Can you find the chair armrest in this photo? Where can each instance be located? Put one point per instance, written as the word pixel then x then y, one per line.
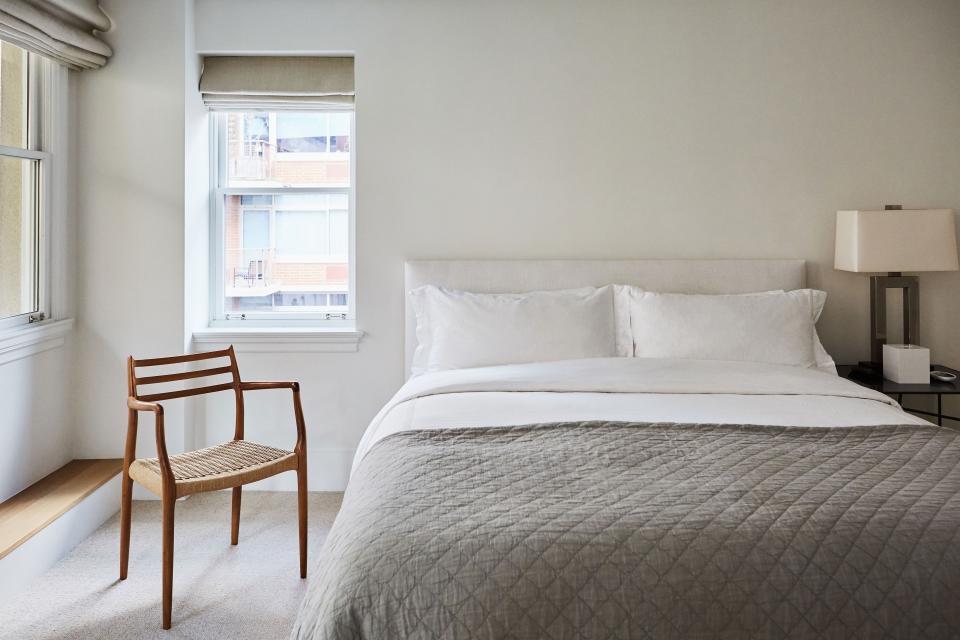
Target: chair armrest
pixel 136 406
pixel 140 405
pixel 301 445
pixel 255 386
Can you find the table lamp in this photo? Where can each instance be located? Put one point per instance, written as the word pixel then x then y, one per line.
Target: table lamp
pixel 895 240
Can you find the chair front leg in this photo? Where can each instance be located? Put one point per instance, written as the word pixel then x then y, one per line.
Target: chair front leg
pixel 169 503
pixel 302 510
pixel 169 496
pixel 301 450
pixel 126 505
pixel 126 493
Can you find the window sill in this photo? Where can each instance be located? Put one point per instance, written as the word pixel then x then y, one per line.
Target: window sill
pixel 31 339
pixel 279 340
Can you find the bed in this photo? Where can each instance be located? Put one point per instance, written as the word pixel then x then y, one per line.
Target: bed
pixel 621 497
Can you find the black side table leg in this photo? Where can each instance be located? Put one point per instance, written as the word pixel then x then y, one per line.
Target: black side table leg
pixel 940 409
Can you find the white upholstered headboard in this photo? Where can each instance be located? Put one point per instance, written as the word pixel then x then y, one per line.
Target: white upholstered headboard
pixel 516 276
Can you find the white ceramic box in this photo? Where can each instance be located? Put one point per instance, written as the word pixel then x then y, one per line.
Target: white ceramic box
pixel 906 363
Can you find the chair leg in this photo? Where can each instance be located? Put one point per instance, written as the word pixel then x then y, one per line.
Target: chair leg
pixel 169 502
pixel 126 497
pixel 302 513
pixel 235 517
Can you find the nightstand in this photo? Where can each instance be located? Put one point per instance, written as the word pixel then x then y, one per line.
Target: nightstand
pixel 933 387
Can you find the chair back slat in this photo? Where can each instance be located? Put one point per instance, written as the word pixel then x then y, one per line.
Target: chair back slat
pixel 213 370
pixel 186 393
pixel 190 357
pixel 185 375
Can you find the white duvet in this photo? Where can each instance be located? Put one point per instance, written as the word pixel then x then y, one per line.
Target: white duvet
pixel 633 390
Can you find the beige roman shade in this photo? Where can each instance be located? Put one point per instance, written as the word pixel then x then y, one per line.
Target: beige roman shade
pixel 63 30
pixel 271 83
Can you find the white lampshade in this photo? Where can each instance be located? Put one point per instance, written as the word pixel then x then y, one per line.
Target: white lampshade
pixel 899 240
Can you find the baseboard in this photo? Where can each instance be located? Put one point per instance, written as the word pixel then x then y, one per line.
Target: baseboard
pixel 46 547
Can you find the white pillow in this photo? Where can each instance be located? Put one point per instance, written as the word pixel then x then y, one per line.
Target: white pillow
pixel 621 304
pixel 775 327
pixel 622 295
pixel 458 329
pixel 824 362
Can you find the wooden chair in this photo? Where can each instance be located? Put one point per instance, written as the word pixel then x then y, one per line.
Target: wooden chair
pixel 223 466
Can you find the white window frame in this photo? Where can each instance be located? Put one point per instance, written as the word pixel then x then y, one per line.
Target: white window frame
pixel 39 113
pixel 219 318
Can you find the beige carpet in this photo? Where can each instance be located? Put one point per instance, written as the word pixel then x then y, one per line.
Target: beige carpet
pixel 249 591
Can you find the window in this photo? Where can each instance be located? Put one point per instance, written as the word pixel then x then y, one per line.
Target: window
pixel 313 133
pixel 284 193
pixel 22 164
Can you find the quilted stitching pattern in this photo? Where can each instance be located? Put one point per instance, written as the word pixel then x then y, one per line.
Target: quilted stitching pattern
pixel 612 530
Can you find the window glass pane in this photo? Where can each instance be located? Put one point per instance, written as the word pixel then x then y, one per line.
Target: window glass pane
pixel 256 133
pixel 339 232
pixel 18 236
pixel 256 229
pixel 302 233
pixel 256 236
pixel 262 201
pixel 13 96
pixel 311 201
pixel 302 132
pixel 287 149
pixel 339 132
pixel 339 201
pixel 286 253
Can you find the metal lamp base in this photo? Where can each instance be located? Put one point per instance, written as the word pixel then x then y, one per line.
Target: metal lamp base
pixel 878 312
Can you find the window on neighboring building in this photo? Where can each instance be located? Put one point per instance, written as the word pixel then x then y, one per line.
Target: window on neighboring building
pixel 313 133
pixel 22 163
pixel 284 198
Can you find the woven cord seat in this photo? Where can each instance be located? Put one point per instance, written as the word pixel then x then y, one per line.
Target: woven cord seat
pixel 229 456
pixel 218 467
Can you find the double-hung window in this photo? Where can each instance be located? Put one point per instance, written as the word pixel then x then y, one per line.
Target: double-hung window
pixel 23 167
pixel 283 203
pixel 284 216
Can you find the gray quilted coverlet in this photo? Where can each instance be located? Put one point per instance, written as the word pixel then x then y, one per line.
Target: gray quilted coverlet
pixel 615 530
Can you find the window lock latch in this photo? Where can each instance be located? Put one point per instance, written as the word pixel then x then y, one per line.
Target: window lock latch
pixel 36 317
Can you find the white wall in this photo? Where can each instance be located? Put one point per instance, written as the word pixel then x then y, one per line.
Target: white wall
pixel 130 198
pixel 196 186
pixel 196 211
pixel 536 129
